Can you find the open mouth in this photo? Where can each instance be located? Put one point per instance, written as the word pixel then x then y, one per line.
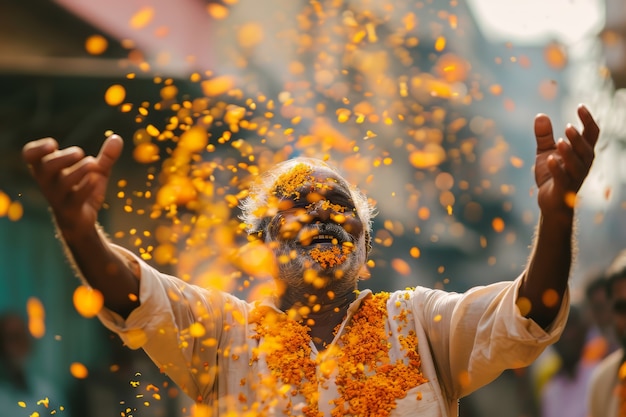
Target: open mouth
pixel 324 239
pixel 316 237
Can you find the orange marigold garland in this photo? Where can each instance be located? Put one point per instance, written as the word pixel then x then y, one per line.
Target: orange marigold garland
pixel 368 382
pixel 288 356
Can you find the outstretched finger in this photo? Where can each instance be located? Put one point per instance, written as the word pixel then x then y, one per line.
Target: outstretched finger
pixel 582 148
pixel 573 164
pixel 591 131
pixel 544 133
pixel 110 153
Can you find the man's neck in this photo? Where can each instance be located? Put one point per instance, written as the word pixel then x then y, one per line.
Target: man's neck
pixel 322 310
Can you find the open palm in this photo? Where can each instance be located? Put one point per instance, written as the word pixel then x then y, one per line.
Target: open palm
pixel 562 166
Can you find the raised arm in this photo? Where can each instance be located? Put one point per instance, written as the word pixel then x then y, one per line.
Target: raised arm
pixel 560 169
pixel 74 185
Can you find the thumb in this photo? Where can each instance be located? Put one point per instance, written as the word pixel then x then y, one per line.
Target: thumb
pixel 544 133
pixel 110 152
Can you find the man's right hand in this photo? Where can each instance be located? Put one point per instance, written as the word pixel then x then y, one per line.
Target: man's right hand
pixel 74 184
pixel 75 187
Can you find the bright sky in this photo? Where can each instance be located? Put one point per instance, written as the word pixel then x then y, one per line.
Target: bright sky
pixel 536 21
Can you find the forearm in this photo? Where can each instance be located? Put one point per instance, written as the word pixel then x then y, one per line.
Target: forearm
pixel 104 268
pixel 546 277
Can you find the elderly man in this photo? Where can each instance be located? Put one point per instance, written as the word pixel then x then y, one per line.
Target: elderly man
pixel 319 347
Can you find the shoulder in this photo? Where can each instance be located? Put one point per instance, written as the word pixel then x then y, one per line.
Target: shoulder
pixel 431 302
pixel 430 297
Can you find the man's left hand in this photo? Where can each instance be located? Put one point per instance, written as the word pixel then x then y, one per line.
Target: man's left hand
pixel 562 166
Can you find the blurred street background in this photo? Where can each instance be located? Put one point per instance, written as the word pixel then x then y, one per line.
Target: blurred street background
pixel 427 106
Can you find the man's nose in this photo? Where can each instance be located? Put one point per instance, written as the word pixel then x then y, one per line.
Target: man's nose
pixel 318 213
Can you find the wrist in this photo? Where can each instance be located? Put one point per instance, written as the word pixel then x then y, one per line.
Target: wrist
pixel 75 235
pixel 556 225
pixel 78 236
pixel 562 216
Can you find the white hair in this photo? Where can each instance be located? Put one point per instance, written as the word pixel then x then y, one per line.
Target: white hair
pixel 261 190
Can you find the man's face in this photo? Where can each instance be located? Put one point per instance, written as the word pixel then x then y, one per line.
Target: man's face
pixel 316 233
pixel 618 302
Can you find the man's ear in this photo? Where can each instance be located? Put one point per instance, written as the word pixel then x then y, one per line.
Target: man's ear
pixel 261 231
pixel 364 272
pixel 258 235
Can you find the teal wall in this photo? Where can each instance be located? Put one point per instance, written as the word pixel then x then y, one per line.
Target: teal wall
pixel 32 264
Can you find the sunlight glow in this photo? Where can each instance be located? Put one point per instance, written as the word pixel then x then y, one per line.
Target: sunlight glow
pixel 537 21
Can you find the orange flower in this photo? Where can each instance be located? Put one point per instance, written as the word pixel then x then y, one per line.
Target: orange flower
pixel 368 382
pixel 288 184
pixel 328 258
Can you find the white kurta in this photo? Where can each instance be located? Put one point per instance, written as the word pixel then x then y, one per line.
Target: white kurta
pixel 604 387
pixel 464 341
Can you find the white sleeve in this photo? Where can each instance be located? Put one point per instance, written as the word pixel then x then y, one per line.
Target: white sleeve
pixel 476 335
pixel 180 326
